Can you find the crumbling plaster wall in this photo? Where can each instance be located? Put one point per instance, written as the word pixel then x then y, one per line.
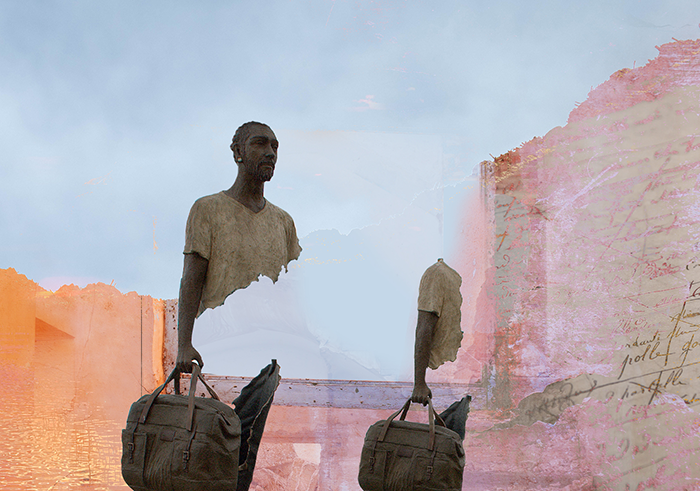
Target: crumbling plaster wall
pixel 73 361
pixel 601 308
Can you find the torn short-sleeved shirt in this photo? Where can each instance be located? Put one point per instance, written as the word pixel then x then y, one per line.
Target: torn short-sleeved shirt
pixel 239 244
pixel 439 293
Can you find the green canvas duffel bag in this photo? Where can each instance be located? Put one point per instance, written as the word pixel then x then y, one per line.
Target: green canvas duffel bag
pixel 403 455
pixel 183 443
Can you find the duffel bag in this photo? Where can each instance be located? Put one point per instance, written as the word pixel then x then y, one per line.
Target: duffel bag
pixel 403 455
pixel 183 443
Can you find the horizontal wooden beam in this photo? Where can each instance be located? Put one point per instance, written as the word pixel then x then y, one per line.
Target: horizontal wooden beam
pixel 360 394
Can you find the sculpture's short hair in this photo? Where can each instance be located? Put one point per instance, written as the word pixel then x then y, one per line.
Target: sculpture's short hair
pixel 242 133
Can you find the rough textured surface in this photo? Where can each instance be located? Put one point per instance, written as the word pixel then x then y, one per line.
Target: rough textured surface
pixel 595 284
pixel 239 244
pixel 84 355
pixel 677 65
pixel 439 294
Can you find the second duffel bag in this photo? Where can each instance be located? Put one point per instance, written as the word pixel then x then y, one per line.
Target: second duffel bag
pixel 402 455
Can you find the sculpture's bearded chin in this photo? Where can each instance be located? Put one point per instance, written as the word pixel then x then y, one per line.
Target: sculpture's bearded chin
pixel 262 170
pixel 265 171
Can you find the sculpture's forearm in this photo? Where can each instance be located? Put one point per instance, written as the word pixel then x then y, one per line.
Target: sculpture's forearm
pixel 193 276
pixel 424 341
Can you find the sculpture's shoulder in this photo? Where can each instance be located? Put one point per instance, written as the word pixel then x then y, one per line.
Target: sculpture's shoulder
pixel 285 219
pixel 218 207
pixel 280 213
pixel 210 200
pixel 440 271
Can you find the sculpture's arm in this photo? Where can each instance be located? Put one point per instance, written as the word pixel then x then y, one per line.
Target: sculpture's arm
pixel 193 275
pixel 424 341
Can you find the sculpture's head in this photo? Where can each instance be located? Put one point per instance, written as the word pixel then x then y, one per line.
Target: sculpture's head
pixel 254 149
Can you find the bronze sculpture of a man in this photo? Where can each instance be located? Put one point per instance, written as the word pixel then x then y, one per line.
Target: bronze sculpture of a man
pixel 438 332
pixel 233 236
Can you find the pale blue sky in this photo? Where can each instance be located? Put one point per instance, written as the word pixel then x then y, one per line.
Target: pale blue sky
pixel 117 115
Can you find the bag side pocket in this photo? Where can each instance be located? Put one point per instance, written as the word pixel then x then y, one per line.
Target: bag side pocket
pixel 134 459
pixel 372 469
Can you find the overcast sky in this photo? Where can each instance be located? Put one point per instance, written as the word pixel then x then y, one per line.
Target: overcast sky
pixel 116 116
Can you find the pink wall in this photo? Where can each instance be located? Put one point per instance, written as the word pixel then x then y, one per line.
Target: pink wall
pixel 595 303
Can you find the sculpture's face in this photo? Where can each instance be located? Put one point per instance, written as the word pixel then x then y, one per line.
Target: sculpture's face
pixel 260 153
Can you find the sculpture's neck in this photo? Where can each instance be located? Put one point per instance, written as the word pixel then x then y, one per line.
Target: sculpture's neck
pixel 248 192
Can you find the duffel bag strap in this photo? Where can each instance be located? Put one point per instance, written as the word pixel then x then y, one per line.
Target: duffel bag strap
pixel 209 389
pixel 438 419
pixel 175 375
pixel 391 418
pixel 431 425
pixel 385 428
pixel 156 393
pixel 433 416
pixel 196 375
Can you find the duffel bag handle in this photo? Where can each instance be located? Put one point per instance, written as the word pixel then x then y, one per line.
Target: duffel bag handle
pixel 432 417
pixel 175 375
pixel 196 375
pixel 438 419
pixel 193 381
